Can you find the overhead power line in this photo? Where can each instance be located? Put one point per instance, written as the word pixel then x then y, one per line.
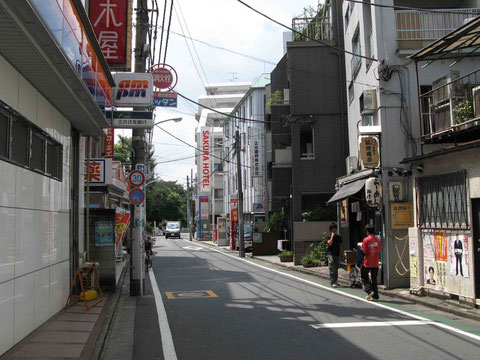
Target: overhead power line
pixel 305 36
pixel 168 33
pixel 411 8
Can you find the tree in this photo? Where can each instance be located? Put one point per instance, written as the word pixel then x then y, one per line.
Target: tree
pixel 123 150
pixel 166 200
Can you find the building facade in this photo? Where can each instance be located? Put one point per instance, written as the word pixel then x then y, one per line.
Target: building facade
pixel 55 87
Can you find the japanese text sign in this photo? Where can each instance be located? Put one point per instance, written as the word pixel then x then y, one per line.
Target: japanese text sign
pixel 97 171
pixel 369 151
pixel 109 21
pixel 109 140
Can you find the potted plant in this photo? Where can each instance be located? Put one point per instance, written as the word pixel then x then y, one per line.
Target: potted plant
pixel 307 260
pixel 286 256
pixel 463 111
pixel 319 251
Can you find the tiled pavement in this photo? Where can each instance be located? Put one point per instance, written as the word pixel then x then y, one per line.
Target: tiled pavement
pixel 71 334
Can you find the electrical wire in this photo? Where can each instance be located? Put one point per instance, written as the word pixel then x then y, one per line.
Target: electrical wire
pixel 178 159
pixel 306 36
pixel 155 30
pixel 410 8
pixel 168 33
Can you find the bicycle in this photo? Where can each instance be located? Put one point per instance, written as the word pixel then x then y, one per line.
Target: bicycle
pixel 355 277
pixel 148 259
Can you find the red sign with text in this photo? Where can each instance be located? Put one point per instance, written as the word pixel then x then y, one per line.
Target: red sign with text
pixel 109 21
pixel 109 140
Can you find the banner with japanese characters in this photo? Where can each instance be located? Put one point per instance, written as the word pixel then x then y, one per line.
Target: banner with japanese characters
pixel 122 221
pixel 109 19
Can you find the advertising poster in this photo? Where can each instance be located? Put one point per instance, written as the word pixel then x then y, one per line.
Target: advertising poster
pixel 441 242
pixel 103 233
pixel 430 273
pixel 441 276
pixel 458 254
pixel 428 245
pixel 122 221
pixel 413 267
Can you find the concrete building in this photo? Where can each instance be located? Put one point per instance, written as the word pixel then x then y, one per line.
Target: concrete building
pixel 382 117
pixel 444 246
pixel 221 97
pixel 55 86
pixel 252 137
pixel 307 130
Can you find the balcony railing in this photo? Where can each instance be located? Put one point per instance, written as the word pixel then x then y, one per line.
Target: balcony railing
pixel 318 28
pixel 428 26
pixel 451 107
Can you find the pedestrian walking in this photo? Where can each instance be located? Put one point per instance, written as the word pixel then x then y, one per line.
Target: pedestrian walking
pixel 335 248
pixel 371 247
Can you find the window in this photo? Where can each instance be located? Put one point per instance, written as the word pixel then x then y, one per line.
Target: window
pixel 20 140
pixel 218 167
pixel 217 143
pixel 37 153
pixel 306 141
pixel 23 143
pixel 218 193
pixel 347 17
pixel 442 201
pixel 4 134
pixel 368 120
pixel 351 93
pixel 355 62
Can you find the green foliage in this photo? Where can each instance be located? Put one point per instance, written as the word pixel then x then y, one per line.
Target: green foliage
pixel 318 252
pixel 463 111
pixel 166 200
pixel 320 213
pixel 277 221
pixel 149 227
pixel 275 98
pixel 285 254
pixel 307 259
pixel 123 150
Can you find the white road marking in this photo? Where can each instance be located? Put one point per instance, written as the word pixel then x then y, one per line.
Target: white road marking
pixel 370 324
pixel 417 317
pixel 194 248
pixel 167 340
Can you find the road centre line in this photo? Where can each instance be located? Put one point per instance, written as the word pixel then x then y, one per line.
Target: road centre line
pixel 370 324
pixel 417 317
pixel 165 333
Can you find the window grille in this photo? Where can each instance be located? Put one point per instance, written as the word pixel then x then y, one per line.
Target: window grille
pixel 442 201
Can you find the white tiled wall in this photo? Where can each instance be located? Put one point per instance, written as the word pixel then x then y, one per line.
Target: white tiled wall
pixel 34 222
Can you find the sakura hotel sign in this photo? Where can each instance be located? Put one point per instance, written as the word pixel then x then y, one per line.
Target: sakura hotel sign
pixel 205 162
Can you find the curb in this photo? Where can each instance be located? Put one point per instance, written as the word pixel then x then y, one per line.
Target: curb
pixel 461 312
pixel 99 347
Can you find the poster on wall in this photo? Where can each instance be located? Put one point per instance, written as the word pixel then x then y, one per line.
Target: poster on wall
pixel 122 221
pixel 413 267
pixel 430 272
pixel 428 245
pixel 441 276
pixel 103 233
pixel 458 254
pixel 441 242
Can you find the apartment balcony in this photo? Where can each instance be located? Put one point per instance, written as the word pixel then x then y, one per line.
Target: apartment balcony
pixel 417 29
pixel 318 28
pixel 451 109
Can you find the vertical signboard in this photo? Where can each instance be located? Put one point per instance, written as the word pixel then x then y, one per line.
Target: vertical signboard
pixel 256 153
pixel 369 151
pixel 109 140
pixel 109 19
pixel 205 159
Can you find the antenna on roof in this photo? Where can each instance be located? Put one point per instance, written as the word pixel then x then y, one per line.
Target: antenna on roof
pixel 233 76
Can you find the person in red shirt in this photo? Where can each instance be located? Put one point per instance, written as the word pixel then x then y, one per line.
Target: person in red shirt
pixel 371 247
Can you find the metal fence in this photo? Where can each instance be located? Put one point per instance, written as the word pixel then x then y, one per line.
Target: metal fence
pixel 318 28
pixel 418 25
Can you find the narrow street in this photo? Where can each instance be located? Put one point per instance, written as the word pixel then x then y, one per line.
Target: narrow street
pixel 222 307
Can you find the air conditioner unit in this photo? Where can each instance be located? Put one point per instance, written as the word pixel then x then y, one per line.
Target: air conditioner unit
pixel 368 102
pixel 351 162
pixel 444 93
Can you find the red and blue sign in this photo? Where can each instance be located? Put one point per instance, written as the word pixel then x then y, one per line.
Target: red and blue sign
pixel 136 196
pixel 164 99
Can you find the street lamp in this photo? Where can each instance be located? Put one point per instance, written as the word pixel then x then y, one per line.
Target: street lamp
pixel 173 119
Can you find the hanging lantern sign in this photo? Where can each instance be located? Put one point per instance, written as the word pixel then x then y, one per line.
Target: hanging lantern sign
pixel 373 192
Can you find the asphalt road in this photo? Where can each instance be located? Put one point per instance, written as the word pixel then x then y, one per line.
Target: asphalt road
pixel 212 305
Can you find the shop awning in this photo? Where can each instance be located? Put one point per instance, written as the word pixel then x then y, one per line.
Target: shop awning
pixel 348 190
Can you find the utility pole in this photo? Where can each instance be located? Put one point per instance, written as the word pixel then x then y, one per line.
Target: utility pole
pixel 188 208
pixel 241 243
pixel 137 273
pixel 192 206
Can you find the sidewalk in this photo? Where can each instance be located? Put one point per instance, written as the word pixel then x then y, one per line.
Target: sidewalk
pixel 72 333
pixel 449 306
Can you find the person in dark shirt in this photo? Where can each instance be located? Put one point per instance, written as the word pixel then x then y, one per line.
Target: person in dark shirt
pixel 335 248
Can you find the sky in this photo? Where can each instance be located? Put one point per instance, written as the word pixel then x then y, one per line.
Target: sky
pixel 222 23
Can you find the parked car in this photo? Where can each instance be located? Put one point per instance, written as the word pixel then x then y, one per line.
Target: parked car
pixel 172 229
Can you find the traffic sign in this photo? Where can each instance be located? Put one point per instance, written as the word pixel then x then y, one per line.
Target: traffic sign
pixel 136 196
pixel 136 178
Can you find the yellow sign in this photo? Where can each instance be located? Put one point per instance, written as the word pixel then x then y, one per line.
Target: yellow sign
pixel 344 212
pixel 401 215
pixel 413 267
pixel 369 151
